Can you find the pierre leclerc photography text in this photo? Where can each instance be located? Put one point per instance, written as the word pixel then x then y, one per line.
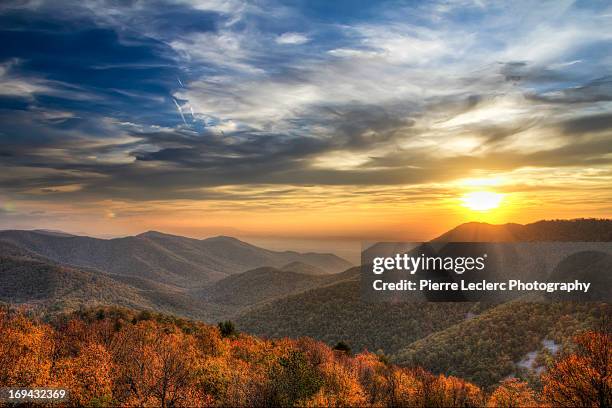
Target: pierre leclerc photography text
pixel 309 203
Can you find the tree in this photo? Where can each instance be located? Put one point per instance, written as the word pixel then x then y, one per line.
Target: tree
pixel 343 347
pixel 227 328
pixel 294 379
pixel 25 351
pixel 158 365
pixel 512 393
pixel 442 391
pixel 88 376
pixel 582 378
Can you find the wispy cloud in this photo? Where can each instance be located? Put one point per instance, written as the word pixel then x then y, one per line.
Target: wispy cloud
pixel 283 97
pixel 292 38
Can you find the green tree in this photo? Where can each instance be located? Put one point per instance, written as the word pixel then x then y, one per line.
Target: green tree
pixel 294 379
pixel 227 328
pixel 344 347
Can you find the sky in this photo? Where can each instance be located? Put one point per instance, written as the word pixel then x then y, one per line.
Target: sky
pixel 302 120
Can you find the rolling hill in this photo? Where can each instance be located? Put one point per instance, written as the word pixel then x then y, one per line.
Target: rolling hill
pixel 336 312
pixel 163 258
pixel 278 294
pixel 431 334
pixel 489 347
pixel 260 285
pixel 29 279
pixel 301 267
pixel 240 292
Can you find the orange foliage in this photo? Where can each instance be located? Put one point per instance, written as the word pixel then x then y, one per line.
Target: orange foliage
pixel 88 376
pixel 583 378
pixel 25 352
pixel 120 359
pixel 512 393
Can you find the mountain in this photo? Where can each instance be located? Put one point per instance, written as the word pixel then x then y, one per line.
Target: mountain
pixel 554 230
pixel 56 233
pixel 163 258
pixel 336 312
pixel 432 333
pixel 301 267
pixel 286 294
pixel 262 285
pixel 29 279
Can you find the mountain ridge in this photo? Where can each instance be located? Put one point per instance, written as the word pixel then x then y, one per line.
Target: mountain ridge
pixel 170 259
pixel 578 229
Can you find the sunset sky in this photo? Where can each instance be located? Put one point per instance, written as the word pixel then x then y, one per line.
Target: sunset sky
pixel 340 120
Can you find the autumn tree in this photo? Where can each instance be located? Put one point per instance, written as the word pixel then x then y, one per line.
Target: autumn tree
pixel 343 347
pixel 373 375
pixel 443 391
pixel 294 379
pixel 25 351
pixel 584 377
pixel 157 367
pixel 512 393
pixel 404 389
pixel 341 384
pixel 88 376
pixel 227 328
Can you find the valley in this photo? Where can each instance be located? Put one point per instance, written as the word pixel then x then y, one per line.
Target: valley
pixel 278 294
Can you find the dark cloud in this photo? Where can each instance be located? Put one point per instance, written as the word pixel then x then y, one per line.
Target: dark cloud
pixel 185 163
pixel 538 75
pixel 364 126
pixel 588 124
pixel 599 90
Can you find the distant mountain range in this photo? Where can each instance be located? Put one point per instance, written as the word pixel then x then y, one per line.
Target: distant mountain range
pixel 277 294
pixel 588 229
pixel 29 279
pixel 168 273
pixel 163 258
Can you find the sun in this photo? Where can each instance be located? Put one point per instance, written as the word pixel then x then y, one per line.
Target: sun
pixel 482 200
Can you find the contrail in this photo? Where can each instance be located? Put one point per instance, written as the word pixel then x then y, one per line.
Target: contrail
pixel 180 110
pixel 192 114
pixel 179 81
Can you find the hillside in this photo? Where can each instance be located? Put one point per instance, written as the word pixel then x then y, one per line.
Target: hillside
pixel 276 301
pixel 301 267
pixel 29 279
pixel 336 313
pixel 118 357
pixel 169 259
pixel 261 285
pixel 468 340
pixel 553 230
pixel 489 347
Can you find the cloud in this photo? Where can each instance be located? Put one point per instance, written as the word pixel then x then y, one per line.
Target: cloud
pixel 292 38
pixel 408 99
pixel 14 84
pixel 588 124
pixel 598 90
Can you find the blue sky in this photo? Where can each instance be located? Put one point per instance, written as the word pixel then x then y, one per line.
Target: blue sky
pixel 115 111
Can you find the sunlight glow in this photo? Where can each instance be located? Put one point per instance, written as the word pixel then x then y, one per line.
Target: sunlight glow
pixel 482 200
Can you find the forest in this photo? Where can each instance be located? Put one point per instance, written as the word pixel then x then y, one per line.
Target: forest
pixel 114 356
